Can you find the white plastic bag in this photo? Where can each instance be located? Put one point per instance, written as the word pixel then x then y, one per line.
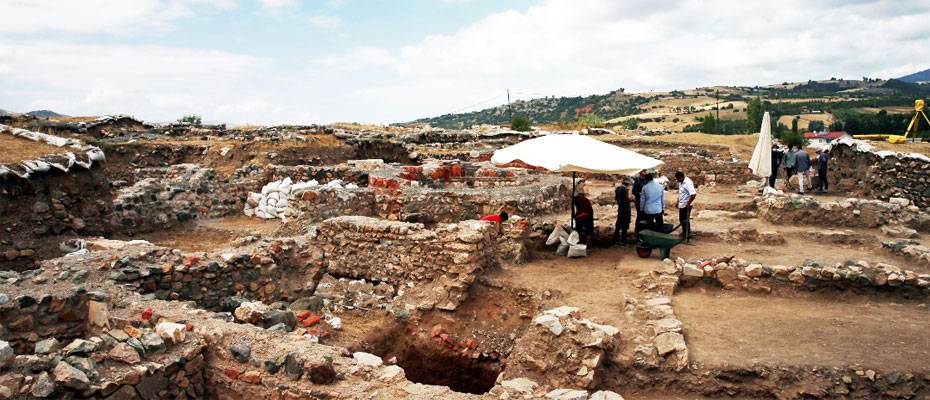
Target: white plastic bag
pixel 574 238
pixel 563 248
pixel 557 233
pixel 577 251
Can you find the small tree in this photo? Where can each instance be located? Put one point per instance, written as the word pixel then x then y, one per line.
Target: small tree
pixel 793 139
pixel 520 123
pixel 815 126
pixel 708 123
pixel 631 123
pixel 794 125
pixel 754 114
pixel 192 119
pixel 836 126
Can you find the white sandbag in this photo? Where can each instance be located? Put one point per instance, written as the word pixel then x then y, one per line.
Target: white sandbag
pixel 285 185
pixel 304 185
pixel 557 233
pixel 577 251
pixel 574 238
pixel 351 186
pixel 562 250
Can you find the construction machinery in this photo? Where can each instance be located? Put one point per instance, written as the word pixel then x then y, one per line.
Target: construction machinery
pixel 911 128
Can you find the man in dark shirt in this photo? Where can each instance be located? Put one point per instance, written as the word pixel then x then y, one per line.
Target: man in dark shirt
pixel 822 160
pixel 638 184
pixel 776 162
pixel 623 197
pixel 584 218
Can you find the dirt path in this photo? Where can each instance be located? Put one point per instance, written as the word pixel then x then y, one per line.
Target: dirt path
pixel 736 328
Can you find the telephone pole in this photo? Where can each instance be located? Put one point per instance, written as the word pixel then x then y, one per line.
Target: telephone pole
pixel 717 121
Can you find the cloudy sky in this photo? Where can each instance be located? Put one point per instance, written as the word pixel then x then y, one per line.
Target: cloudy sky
pixel 304 61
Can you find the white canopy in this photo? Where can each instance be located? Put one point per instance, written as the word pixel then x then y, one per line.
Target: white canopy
pixel 575 153
pixel 761 161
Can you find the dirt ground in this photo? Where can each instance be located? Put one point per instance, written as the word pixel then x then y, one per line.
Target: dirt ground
pixel 835 330
pixel 210 235
pixel 19 149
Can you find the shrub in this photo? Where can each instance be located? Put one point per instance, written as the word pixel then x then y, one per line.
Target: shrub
pixel 192 119
pixel 520 123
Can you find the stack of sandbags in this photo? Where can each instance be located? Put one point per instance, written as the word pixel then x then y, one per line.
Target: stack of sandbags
pixel 275 196
pixel 271 202
pixel 568 243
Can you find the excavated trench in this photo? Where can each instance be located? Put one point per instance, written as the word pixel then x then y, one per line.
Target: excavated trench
pixel 465 349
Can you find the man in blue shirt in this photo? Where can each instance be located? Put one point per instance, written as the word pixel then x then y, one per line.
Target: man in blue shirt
pixel 653 203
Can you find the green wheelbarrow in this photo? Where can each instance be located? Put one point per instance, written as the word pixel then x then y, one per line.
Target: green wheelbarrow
pixel 664 241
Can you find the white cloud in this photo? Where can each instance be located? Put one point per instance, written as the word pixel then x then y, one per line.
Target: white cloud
pixel 324 21
pixel 592 46
pixel 154 82
pixel 96 16
pixel 279 4
pixel 560 47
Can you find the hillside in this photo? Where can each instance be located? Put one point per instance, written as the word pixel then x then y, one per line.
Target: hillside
pixel 546 110
pixel 683 110
pixel 45 113
pixel 922 76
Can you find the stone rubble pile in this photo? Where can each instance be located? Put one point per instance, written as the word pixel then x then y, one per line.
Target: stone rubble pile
pixel 733 273
pixel 908 249
pixel 561 349
pixel 145 357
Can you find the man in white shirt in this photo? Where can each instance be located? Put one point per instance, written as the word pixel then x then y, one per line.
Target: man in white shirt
pixel 686 195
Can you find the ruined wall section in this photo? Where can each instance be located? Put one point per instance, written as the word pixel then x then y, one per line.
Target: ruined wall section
pixel 437 266
pixel 858 169
pixel 268 272
pixel 848 213
pixel 177 194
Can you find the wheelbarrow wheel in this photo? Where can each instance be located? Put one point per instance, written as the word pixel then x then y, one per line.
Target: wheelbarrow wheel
pixel 643 252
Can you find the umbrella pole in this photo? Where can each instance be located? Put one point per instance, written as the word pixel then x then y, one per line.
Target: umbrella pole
pixel 573 201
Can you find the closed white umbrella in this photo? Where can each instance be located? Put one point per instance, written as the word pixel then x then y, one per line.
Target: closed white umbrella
pixel 575 153
pixel 761 161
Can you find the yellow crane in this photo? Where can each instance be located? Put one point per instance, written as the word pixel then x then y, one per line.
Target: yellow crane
pixel 911 128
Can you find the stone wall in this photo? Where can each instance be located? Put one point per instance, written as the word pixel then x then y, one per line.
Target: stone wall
pixel 438 265
pixel 538 195
pixel 172 195
pixel 849 213
pixel 268 271
pixel 28 318
pixel 858 169
pixel 40 212
pixel 733 273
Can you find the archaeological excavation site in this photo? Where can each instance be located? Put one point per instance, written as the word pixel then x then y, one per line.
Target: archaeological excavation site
pixel 179 261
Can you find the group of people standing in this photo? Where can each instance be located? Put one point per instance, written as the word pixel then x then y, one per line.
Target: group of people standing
pixel 648 196
pixel 798 163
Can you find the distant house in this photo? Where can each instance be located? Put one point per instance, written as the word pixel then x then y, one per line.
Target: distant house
pixel 824 137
